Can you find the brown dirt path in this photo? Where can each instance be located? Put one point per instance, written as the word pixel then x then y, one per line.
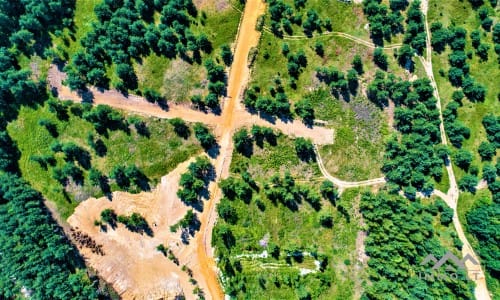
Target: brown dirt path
pixel 248 37
pixel 131 103
pixel 241 117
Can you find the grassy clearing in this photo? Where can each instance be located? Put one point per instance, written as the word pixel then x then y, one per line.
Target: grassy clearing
pixel 178 80
pixel 360 134
pixel 345 17
pixel 444 184
pixel 266 278
pixel 471 114
pixel 155 156
pixel 360 127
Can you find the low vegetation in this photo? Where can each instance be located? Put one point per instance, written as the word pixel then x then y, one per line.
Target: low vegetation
pixel 274 204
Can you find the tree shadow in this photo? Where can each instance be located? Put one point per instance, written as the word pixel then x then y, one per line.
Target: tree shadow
pixel 214 151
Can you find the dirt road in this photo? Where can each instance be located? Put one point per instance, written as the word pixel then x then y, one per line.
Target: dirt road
pixel 139 105
pixel 475 273
pixel 248 37
pixel 338 34
pixel 344 184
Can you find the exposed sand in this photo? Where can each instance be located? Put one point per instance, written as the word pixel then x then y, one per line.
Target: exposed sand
pixel 131 263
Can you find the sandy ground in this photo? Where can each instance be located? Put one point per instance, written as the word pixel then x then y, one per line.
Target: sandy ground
pixel 131 262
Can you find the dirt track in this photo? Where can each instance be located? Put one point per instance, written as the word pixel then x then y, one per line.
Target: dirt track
pixel 248 37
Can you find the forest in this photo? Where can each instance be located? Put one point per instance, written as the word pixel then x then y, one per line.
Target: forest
pixel 51 267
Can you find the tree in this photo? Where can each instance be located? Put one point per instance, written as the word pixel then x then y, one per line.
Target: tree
pixel 304 149
pixel 405 55
pixel 380 58
pixel 457 96
pixel 446 216
pixel 496 33
pixel 203 135
pixel 482 51
pixel 319 48
pixel 489 173
pixel 180 127
pixel 474 91
pixel 243 142
pixel 357 64
pixel 109 216
pixel 463 158
pixel 328 191
pixel 326 219
pixel 455 75
pixel 475 37
pixel 305 110
pixel 352 80
pixel 486 151
pixel 227 212
pixel 468 183
pixel 203 43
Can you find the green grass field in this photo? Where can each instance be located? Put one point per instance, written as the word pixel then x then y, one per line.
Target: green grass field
pixel 265 278
pixel 360 134
pixel 69 43
pixel 155 156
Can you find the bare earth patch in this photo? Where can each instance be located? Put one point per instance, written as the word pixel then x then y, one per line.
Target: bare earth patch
pixel 131 263
pixel 217 5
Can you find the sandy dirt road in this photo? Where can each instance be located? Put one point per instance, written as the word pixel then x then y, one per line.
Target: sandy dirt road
pixel 248 37
pixel 241 117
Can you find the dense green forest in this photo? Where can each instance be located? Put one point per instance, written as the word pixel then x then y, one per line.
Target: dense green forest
pixel 49 268
pixel 400 236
